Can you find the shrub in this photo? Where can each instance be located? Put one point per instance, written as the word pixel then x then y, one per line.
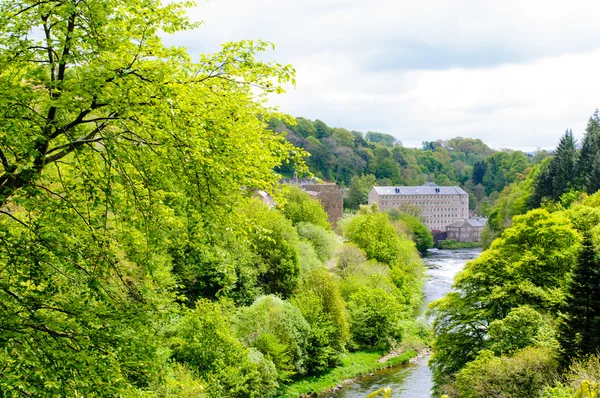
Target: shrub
pixel 374 234
pixel 307 257
pixel 324 241
pixel 300 207
pixel 203 340
pixel 273 240
pixel 319 299
pixel 525 374
pixel 349 258
pixel 278 330
pixel 375 317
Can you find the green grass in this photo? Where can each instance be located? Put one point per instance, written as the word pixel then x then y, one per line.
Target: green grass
pixel 452 244
pixel 353 364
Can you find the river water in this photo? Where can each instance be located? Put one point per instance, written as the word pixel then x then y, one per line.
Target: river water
pixel 414 381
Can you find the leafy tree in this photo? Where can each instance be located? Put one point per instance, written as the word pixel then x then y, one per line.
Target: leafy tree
pixel 323 240
pixel 204 341
pixel 414 228
pixel 278 330
pixel 117 144
pixel 274 241
pixel 374 234
pixel 380 138
pixel 358 192
pixel 526 374
pixel 318 298
pixel 517 330
pixel 375 317
pixel 300 207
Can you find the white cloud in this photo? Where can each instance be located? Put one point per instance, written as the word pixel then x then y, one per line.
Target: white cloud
pixel 513 73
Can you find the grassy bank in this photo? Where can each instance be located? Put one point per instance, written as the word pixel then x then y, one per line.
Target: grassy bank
pixel 353 364
pixel 452 244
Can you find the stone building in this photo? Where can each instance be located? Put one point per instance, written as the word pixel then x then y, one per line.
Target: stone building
pixel 439 206
pixel 466 230
pixel 329 194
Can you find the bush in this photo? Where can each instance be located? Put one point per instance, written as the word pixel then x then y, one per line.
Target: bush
pixel 319 299
pixel 375 317
pixel 413 227
pixel 324 241
pixel 374 234
pixel 300 207
pixel 525 374
pixel 203 340
pixel 278 330
pixel 307 257
pixel 349 258
pixel 274 241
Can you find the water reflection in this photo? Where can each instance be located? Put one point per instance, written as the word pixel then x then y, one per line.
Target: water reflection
pixel 415 381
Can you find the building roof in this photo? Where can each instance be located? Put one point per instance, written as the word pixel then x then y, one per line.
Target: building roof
pixel 472 222
pixel 478 222
pixel 420 190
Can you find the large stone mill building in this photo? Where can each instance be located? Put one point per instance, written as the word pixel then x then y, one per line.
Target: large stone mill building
pixel 440 206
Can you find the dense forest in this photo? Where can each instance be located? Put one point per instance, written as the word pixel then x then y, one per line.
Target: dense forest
pixel 135 259
pixel 525 315
pixel 360 160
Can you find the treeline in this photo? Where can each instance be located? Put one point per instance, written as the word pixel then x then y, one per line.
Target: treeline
pixel 355 160
pixel 525 315
pixel 561 179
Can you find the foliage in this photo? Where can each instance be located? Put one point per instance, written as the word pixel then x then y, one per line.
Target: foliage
pixel 116 152
pixel 517 330
pixel 375 317
pixel 324 241
pixel 318 298
pixel 414 228
pixel 358 192
pixel 525 266
pixel 349 257
pixel 203 340
pixel 274 241
pixel 525 374
pixel 278 330
pixel 300 207
pixel 374 234
pixel 581 310
pixel 450 244
pixel 307 257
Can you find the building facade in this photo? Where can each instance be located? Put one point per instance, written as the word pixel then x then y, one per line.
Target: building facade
pixel 466 230
pixel 439 206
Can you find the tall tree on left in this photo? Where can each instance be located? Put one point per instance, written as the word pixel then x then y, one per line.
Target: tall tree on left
pixel 112 148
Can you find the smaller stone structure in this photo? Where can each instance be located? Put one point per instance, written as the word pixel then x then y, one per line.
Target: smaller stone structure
pixel 466 230
pixel 330 196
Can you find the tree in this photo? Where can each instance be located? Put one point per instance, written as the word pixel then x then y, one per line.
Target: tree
pixel 318 298
pixel 581 322
pixel 590 150
pixel 562 168
pixel 374 234
pixel 300 207
pixel 118 147
pixel 358 192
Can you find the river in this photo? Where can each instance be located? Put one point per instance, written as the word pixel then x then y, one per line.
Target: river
pixel 414 380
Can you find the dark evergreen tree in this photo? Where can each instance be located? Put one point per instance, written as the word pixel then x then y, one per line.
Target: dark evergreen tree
pixel 578 333
pixel 479 170
pixel 590 151
pixel 562 168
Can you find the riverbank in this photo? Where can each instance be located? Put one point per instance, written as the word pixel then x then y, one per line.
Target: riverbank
pixel 354 365
pixel 450 244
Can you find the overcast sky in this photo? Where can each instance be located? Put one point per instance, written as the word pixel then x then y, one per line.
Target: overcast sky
pixel 515 73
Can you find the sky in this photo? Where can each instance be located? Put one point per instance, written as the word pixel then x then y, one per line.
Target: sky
pixel 515 74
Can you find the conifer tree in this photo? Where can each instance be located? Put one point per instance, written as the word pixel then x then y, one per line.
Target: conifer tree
pixel 587 166
pixel 578 332
pixel 562 168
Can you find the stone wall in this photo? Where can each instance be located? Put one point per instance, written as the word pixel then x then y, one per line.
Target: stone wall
pixel 330 196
